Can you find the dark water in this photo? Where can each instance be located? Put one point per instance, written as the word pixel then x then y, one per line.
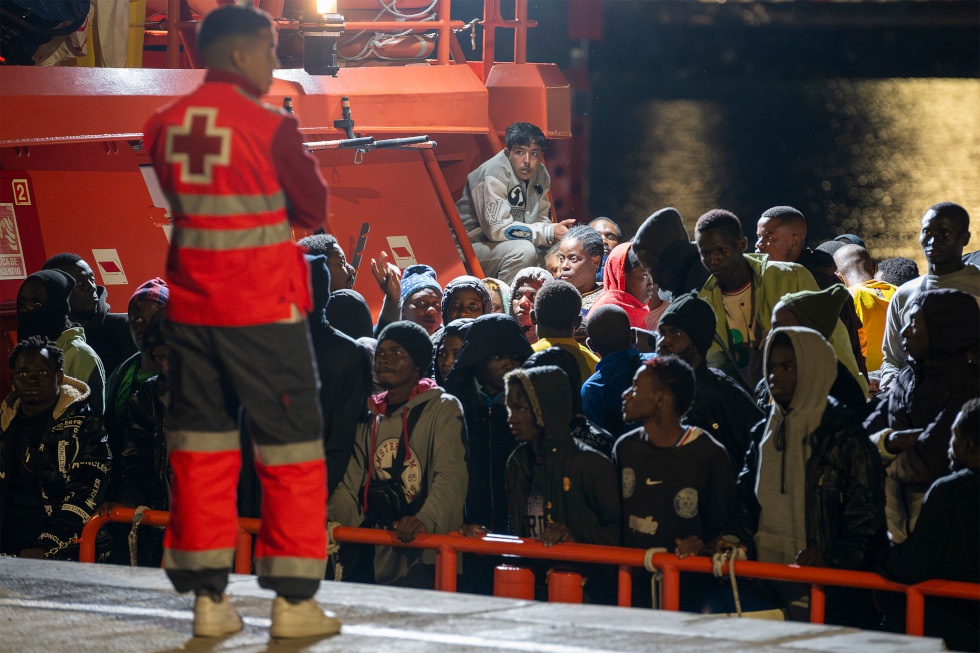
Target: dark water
pixel 861 128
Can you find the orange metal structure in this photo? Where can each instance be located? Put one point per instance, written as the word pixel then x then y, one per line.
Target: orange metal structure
pixel 448 548
pixel 73 176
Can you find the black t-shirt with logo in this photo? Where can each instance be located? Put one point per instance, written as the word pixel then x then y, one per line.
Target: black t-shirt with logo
pixel 673 492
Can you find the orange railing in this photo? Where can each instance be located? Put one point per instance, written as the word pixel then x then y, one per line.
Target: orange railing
pixel 180 30
pixel 448 548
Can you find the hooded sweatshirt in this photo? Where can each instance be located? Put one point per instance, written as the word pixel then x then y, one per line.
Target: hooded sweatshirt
pixel 71 465
pixel 785 448
pixel 435 468
pixel 614 287
pixel 576 483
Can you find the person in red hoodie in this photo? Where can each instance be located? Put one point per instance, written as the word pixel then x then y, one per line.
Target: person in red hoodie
pixel 626 284
pixel 238 178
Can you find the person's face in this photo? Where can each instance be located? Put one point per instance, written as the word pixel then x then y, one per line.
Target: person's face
pixel 961 451
pixel 464 303
pixel 159 357
pixel 523 301
pixel 31 295
pixel 639 400
pixel 552 265
pixel 525 160
pixel 915 336
pixel 447 355
pixel 610 236
pixel 576 266
pixel 84 298
pixel 782 374
pixel 520 415
pixel 425 309
pixel 491 375
pixel 677 342
pixel 783 317
pixel 775 239
pixel 639 284
pixel 394 367
pixel 942 239
pixel 721 254
pixel 140 315
pixel 37 381
pixel 341 272
pixel 496 302
pixel 256 58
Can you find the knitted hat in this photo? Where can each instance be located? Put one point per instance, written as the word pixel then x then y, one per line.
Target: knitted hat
pixel 413 339
pixel 47 320
pixel 154 290
pixel 817 310
pixel 419 277
pixel 465 282
pixel 693 316
pixel 952 321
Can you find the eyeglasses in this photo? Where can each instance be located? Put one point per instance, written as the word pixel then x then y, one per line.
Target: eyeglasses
pixel 472 307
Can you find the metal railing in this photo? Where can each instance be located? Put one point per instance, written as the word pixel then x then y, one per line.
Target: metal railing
pixel 448 548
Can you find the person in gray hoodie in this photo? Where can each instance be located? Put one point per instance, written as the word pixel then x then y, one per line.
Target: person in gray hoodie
pixel 407 472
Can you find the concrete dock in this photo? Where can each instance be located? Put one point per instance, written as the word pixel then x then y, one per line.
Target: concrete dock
pixel 54 607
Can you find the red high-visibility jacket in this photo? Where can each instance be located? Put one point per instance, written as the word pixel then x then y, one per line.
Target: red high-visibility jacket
pixel 236 175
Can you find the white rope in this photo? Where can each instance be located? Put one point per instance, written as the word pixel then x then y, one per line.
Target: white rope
pixel 655 575
pixel 137 518
pixel 718 562
pixel 333 551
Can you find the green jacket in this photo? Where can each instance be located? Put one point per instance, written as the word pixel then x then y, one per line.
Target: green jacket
pixel 772 280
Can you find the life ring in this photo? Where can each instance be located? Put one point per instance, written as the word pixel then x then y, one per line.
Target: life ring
pixel 387 47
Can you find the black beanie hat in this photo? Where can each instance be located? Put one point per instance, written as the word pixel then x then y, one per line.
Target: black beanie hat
pixel 49 319
pixel 413 339
pixel 693 316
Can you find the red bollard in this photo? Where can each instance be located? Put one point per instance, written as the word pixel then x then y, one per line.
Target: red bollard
pixel 513 582
pixel 564 586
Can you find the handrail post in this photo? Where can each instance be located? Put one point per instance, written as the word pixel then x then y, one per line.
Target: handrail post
pixel 445 33
pixel 818 604
pixel 671 587
pixel 915 612
pixel 446 568
pixel 520 31
pixel 90 533
pixel 625 587
pixel 243 552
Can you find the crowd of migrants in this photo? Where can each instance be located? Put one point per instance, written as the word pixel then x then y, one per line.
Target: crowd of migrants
pixel 796 405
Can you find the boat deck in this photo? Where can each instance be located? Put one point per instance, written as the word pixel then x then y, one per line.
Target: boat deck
pixel 52 607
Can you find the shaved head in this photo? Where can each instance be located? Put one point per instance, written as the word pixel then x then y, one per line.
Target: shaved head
pixel 854 264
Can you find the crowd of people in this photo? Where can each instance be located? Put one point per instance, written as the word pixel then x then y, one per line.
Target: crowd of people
pixel 794 404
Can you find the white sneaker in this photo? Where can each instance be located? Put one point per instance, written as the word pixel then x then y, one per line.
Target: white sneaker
pixel 215 618
pixel 303 619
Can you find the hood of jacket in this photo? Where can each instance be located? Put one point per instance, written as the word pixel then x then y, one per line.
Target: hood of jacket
pixel 379 403
pixel 320 278
pixel 489 335
pixel 816 369
pixel 550 395
pixel 73 391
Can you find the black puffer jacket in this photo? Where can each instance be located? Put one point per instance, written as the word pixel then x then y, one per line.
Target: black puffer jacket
pixel 142 460
pixel 71 463
pixel 580 485
pixel 845 493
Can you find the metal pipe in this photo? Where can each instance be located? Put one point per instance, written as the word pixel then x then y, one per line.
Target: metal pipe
pixel 818 604
pixel 449 207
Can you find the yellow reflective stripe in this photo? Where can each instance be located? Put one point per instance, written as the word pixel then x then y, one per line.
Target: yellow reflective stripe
pixel 225 205
pixel 287 567
pixel 289 454
pixel 195 560
pixel 227 239
pixel 202 441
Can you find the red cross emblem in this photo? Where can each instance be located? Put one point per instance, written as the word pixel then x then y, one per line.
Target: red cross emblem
pixel 198 145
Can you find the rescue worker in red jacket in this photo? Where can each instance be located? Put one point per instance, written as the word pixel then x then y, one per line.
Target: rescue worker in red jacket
pixel 237 176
